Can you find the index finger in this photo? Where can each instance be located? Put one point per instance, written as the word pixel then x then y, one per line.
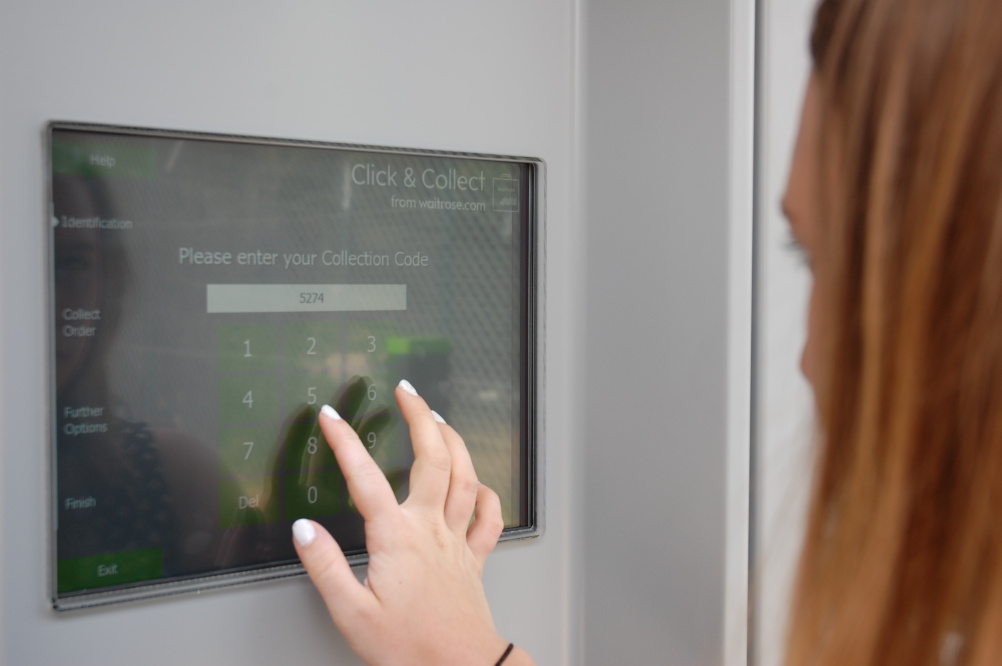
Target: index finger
pixel 367 484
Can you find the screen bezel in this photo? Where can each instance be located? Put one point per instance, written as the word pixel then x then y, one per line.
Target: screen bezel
pixel 531 387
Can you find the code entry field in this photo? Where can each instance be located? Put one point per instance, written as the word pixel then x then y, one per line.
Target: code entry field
pixel 260 298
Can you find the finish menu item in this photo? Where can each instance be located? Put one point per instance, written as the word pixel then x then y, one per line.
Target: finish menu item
pixel 211 293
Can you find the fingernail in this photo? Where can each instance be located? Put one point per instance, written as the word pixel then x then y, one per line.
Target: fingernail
pixel 437 416
pixel 406 385
pixel 303 532
pixel 330 413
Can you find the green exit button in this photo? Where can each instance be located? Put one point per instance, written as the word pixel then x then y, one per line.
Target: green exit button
pixel 106 570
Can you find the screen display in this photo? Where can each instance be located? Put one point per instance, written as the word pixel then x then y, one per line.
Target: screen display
pixel 210 294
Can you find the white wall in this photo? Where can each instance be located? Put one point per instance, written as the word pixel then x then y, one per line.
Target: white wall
pixel 490 77
pixel 667 195
pixel 783 404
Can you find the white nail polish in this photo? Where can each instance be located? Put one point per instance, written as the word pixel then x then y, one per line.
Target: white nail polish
pixel 330 413
pixel 437 416
pixel 303 532
pixel 406 385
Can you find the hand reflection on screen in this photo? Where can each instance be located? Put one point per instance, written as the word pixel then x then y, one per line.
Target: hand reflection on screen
pixel 305 478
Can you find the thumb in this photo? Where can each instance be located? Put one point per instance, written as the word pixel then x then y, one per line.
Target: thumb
pixel 330 572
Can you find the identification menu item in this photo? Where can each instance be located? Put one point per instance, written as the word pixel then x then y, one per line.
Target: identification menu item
pixel 211 293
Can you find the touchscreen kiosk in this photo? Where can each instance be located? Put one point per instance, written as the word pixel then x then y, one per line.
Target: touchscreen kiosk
pixel 211 293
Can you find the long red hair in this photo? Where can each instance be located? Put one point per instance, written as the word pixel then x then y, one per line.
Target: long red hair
pixel 902 560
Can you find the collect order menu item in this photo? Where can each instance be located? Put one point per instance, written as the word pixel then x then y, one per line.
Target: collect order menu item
pixel 211 293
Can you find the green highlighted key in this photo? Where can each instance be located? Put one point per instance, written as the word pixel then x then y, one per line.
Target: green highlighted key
pixel 106 570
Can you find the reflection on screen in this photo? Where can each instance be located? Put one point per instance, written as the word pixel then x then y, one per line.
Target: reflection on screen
pixel 211 295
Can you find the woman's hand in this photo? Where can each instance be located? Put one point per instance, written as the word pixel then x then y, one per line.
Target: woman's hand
pixel 423 602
